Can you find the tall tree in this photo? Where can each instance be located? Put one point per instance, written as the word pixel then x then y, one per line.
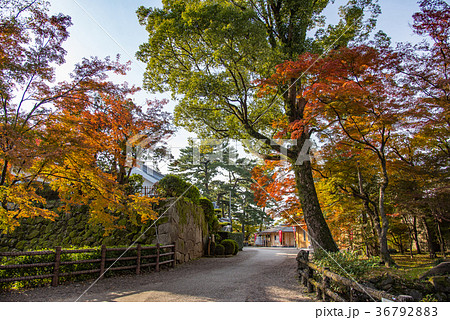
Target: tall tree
pixel 211 52
pixel 426 150
pixel 199 163
pixel 56 133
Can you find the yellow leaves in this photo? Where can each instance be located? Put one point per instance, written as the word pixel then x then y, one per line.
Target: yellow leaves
pixel 21 201
pixel 143 206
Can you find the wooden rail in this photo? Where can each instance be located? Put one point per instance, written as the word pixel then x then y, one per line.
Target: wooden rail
pixel 307 270
pixel 100 269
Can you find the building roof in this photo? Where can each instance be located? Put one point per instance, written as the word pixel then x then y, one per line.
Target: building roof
pixel 278 228
pixel 147 173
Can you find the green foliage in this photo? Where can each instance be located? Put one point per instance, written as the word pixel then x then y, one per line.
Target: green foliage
pixel 135 183
pixel 95 254
pixel 198 49
pixel 220 250
pixel 345 263
pixel 229 245
pixel 236 236
pixel 173 186
pixel 45 191
pixel 198 164
pixel 429 298
pixel 236 248
pixel 210 216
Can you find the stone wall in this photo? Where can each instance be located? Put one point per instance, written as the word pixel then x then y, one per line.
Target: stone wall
pixel 72 229
pixel 186 227
pixel 183 224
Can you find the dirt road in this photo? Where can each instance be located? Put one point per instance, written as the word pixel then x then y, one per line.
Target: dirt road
pixel 255 274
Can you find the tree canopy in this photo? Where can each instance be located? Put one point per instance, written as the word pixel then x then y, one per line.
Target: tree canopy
pixel 210 55
pixel 70 135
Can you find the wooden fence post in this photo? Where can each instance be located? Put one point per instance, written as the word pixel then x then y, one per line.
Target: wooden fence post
pixel 174 255
pixel 304 280
pixel 56 268
pixel 326 285
pixel 208 251
pixel 138 258
pixel 103 261
pixel 309 275
pixel 319 291
pixel 157 257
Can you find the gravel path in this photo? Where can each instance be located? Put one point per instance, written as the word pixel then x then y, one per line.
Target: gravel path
pixel 255 274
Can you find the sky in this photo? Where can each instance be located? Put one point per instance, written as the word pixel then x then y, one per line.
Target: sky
pixel 109 27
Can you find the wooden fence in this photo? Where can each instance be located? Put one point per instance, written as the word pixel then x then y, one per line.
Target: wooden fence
pixel 161 255
pixel 316 278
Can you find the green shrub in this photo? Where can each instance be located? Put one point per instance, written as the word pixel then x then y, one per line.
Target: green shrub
pixel 210 216
pixel 220 250
pixel 173 186
pixel 345 263
pixel 212 248
pixel 229 245
pixel 429 298
pixel 236 236
pixel 236 247
pixel 134 185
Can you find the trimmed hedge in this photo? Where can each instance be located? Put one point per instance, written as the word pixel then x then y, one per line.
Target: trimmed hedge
pixel 220 250
pixel 229 246
pixel 236 247
pixel 173 186
pixel 236 236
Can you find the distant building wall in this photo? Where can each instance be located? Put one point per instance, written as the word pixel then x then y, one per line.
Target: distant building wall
pixel 301 237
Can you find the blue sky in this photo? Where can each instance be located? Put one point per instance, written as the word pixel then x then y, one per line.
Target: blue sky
pixel 110 27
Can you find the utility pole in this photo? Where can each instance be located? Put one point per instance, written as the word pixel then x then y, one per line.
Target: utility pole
pixel 229 215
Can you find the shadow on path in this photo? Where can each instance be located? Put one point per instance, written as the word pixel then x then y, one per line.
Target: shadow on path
pixel 255 274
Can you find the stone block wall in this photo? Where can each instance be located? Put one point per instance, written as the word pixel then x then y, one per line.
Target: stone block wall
pixel 183 224
pixel 186 227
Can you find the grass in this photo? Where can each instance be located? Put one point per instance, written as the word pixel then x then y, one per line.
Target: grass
pixel 409 268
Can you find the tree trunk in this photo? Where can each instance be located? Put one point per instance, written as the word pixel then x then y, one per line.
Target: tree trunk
pixel 229 214
pixel 384 249
pixel 410 234
pixel 416 235
pixel 364 222
pixel 206 178
pixel 318 230
pixel 372 213
pixel 441 238
pixel 411 249
pixel 433 246
pixel 4 173
pixel 400 242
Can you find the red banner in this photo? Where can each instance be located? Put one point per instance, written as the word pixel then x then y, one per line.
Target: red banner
pixel 280 233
